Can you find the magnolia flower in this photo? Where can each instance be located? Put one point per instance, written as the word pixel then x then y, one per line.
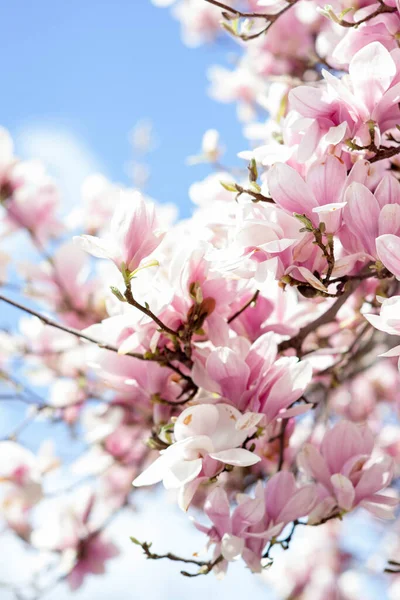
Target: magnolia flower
pixel 72 531
pixel 204 432
pixel 252 379
pixel 320 193
pixel 255 521
pixel 132 237
pixel 346 474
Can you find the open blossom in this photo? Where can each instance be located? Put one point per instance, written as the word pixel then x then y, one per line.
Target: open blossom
pixel 372 221
pixel 249 343
pixel 206 435
pixel 252 379
pixel 320 196
pixel 346 473
pixel 349 107
pixel 255 521
pixel 73 532
pixel 228 532
pixel 132 237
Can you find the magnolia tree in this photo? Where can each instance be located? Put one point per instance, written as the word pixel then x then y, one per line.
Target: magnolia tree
pixel 232 356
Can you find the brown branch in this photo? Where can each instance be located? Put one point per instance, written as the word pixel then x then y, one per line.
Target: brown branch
pixel 384 153
pixel 270 18
pixel 282 444
pixel 328 316
pixel 205 566
pixel 258 197
pixel 252 300
pixel 163 360
pixel 144 309
pixel 238 13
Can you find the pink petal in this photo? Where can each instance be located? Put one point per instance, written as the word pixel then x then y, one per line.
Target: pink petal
pixel 388 249
pixel 279 490
pixel 372 70
pixel 389 220
pixel 326 179
pixel 312 462
pixel 388 191
pixel 300 505
pixel 228 369
pixel 361 215
pixel 344 491
pixel 308 101
pixel 289 189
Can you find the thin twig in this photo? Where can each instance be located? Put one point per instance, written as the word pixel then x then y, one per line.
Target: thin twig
pixel 162 360
pixel 252 300
pixel 205 566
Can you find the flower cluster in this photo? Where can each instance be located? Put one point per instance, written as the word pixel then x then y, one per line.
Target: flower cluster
pixel 230 356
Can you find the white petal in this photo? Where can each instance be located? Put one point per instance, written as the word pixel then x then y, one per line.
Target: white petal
pixel 231 546
pixel 238 457
pixel 153 474
pixel 182 472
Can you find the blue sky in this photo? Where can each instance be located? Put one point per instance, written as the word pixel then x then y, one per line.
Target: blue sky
pixel 94 68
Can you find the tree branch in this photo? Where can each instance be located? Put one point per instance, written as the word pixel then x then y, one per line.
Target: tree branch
pixel 162 360
pixel 296 341
pixel 205 566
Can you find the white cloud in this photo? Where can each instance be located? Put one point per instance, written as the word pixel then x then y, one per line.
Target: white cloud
pixel 66 156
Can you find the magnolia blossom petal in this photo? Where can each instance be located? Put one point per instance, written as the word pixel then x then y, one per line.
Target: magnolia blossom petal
pixel 312 462
pixel 392 352
pixel 344 490
pixel 231 546
pixel 371 70
pixel 196 420
pixel 96 246
pixel 388 249
pixel 153 474
pixel 238 457
pixel 289 189
pixel 187 492
pixel 181 472
pixel 248 421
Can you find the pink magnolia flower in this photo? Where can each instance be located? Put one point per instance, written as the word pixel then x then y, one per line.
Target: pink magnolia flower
pixel 31 200
pixel 205 436
pixel 349 107
pixel 72 531
pixel 319 196
pixel 284 501
pixel 228 530
pixel 346 474
pixel 382 28
pixel 255 521
pixel 372 221
pixel 251 378
pixel 92 554
pixel 133 234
